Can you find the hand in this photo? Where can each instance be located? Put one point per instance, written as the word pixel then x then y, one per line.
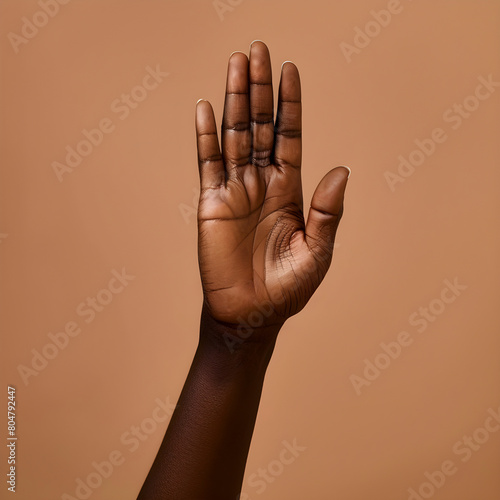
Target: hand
pixel 255 250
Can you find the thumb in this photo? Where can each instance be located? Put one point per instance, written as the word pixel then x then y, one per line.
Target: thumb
pixel 327 206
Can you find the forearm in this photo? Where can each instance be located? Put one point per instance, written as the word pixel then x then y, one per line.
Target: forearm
pixel 204 452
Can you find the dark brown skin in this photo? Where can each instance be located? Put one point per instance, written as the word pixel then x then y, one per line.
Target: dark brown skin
pixel 260 263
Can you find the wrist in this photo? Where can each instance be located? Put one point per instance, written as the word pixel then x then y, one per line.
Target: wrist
pixel 237 342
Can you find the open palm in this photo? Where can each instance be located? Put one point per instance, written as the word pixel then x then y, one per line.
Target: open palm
pixel 255 250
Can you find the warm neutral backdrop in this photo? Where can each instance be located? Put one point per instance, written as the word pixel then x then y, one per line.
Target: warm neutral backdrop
pixel 366 425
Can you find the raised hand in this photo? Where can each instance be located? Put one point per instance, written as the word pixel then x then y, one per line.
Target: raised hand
pixel 255 250
pixel 256 254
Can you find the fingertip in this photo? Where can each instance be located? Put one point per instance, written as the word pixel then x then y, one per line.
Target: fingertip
pixel 338 175
pixel 288 62
pixel 257 41
pixel 329 194
pixel 258 46
pixel 237 54
pixel 290 71
pixel 203 115
pixel 347 168
pixel 203 103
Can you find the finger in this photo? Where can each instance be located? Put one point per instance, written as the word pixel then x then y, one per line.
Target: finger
pixel 261 104
pixel 288 137
pixel 325 213
pixel 210 162
pixel 236 120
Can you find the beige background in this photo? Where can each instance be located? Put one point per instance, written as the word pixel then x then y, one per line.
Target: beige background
pixel 129 204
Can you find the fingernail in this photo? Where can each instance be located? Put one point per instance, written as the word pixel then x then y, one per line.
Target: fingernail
pixel 344 166
pixel 254 42
pixel 199 100
pixel 236 51
pixel 285 63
